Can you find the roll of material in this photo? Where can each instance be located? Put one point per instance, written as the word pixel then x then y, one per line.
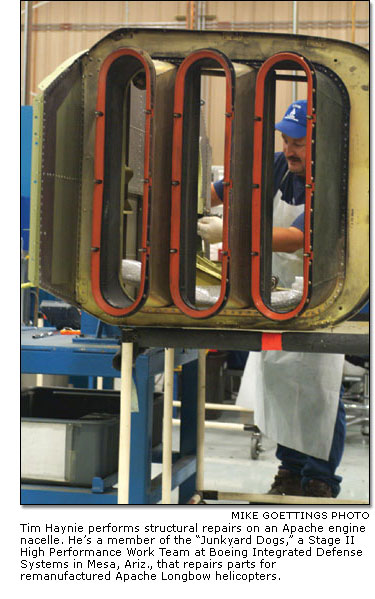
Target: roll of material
pixel 209 295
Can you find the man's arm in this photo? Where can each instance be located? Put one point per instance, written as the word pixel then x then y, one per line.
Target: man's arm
pixel 284 239
pixel 287 239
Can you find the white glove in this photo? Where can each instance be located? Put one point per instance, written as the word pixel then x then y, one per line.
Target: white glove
pixel 210 228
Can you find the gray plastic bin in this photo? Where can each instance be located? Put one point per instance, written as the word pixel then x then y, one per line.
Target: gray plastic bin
pixel 68 436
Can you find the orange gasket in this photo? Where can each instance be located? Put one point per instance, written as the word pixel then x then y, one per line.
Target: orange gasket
pixel 99 176
pixel 178 141
pixel 257 190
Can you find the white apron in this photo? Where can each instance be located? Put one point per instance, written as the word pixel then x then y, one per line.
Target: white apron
pixel 294 395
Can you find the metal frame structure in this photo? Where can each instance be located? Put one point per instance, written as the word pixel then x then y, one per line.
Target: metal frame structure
pixel 348 338
pixel 341 284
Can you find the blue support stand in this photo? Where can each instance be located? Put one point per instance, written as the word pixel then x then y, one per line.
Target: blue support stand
pixel 143 490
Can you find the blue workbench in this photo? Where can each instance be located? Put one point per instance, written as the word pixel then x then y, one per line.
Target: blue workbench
pixel 66 354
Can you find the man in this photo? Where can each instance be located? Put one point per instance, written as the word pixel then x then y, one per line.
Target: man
pixel 295 396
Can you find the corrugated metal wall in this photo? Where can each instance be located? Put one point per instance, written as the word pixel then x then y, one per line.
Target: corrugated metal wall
pixel 61 29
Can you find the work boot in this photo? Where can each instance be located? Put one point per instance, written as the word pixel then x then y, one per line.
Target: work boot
pixel 317 488
pixel 286 483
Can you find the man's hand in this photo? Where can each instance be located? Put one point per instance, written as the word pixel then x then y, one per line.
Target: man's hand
pixel 284 239
pixel 210 228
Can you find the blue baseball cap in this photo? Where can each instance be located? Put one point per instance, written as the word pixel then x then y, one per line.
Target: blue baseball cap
pixel 294 121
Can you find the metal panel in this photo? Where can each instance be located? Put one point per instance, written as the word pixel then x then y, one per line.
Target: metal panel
pixel 159 293
pixel 331 192
pixel 60 184
pixel 240 202
pixel 36 169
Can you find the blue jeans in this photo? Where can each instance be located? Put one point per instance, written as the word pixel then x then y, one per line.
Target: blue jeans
pixel 313 468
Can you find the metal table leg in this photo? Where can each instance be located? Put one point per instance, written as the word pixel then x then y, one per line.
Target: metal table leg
pixel 141 439
pixel 188 430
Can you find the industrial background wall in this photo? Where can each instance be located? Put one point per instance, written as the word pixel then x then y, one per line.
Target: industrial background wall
pixel 61 29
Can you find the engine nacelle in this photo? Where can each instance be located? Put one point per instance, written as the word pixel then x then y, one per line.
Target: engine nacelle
pixel 121 168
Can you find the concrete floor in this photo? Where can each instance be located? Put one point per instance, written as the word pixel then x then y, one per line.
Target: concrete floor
pixel 228 466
